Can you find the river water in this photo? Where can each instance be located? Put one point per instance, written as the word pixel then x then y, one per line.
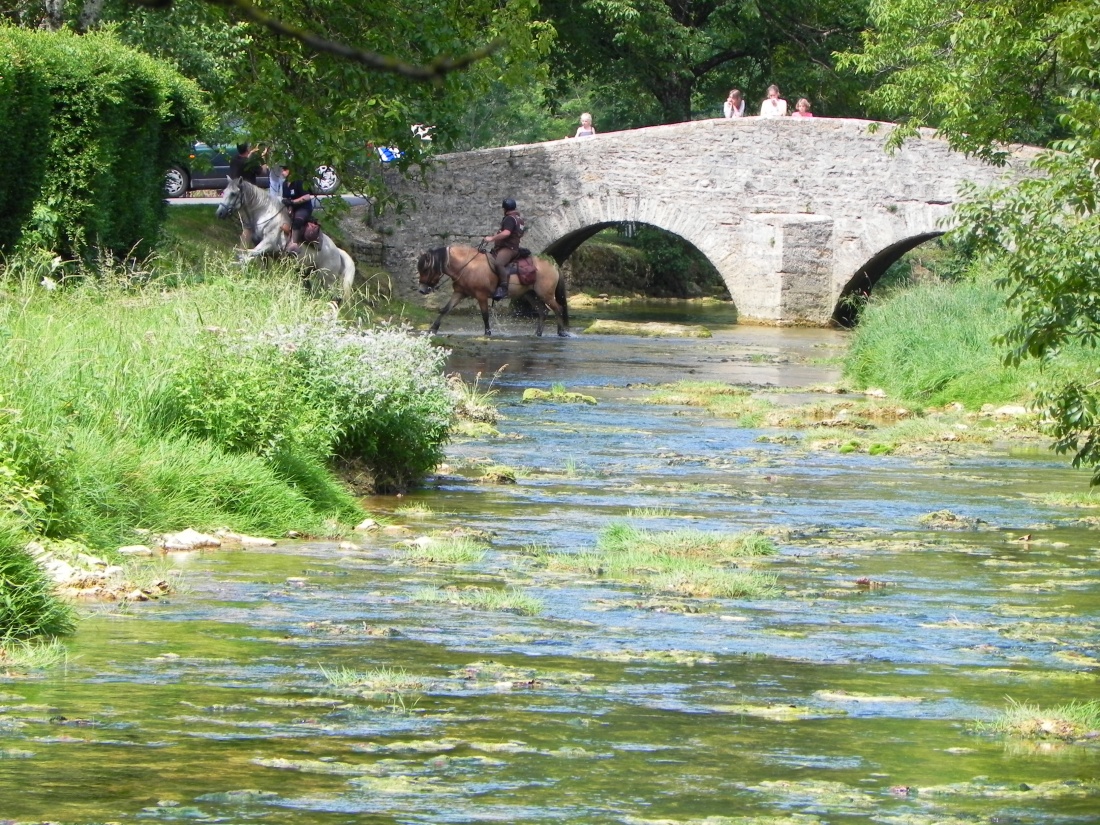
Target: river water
pixel 247 697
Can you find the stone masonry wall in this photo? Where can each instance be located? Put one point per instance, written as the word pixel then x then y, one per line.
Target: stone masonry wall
pixel 787 210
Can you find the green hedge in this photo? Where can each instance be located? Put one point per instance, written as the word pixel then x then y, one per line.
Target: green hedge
pixel 87 133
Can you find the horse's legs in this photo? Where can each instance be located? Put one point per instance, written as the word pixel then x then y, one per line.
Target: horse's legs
pixel 540 311
pixel 455 298
pixel 483 302
pixel 548 301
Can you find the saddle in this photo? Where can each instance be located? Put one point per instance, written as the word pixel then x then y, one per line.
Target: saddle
pixel 312 233
pixel 523 265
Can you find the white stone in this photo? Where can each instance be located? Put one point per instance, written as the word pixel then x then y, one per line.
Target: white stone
pixel 135 550
pixel 188 540
pixel 367 524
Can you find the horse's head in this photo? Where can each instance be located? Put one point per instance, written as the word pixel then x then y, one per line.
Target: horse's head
pixel 231 198
pixel 430 266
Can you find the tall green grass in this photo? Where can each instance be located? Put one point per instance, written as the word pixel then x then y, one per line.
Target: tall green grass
pixel 934 343
pixel 28 607
pixel 687 562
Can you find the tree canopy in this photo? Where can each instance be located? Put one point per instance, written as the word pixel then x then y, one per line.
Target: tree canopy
pixel 325 81
pixel 667 59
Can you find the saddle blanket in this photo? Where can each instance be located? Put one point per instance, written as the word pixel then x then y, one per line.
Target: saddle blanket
pixel 525 268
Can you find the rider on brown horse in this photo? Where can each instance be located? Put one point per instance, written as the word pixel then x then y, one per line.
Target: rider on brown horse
pixel 506 245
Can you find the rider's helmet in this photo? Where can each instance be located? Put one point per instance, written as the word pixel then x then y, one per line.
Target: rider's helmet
pixel 509 204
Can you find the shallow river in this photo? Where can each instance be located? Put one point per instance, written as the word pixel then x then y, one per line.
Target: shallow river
pixel 245 697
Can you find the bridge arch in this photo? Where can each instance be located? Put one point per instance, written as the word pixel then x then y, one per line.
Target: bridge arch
pixel 863 281
pixel 664 283
pixel 792 213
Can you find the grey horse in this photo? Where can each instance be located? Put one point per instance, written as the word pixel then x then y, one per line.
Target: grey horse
pixel 268 222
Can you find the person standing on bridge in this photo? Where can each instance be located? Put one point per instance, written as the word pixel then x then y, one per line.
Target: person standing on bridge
pixel 773 105
pixel 506 244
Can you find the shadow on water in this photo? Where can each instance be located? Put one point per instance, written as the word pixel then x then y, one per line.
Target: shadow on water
pixel 313 683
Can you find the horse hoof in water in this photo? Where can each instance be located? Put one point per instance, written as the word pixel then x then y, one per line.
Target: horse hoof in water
pixel 564 334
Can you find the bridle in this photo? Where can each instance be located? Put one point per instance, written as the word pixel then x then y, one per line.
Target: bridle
pixel 439 266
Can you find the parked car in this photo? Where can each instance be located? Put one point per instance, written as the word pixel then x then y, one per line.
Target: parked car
pixel 207 167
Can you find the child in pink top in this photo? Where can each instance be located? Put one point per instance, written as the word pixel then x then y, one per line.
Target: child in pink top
pixel 802 108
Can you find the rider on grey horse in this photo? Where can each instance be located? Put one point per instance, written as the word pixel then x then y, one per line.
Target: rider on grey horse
pixel 506 245
pixel 298 198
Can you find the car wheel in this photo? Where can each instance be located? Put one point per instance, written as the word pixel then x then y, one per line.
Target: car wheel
pixel 176 183
pixel 326 181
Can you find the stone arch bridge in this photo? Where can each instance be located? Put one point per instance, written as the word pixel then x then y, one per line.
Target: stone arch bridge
pixel 794 214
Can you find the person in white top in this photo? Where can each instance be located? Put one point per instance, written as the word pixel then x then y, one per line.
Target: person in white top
pixel 585 129
pixel 774 105
pixel 734 105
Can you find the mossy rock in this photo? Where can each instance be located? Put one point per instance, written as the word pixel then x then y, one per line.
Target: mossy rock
pixel 647 329
pixel 533 394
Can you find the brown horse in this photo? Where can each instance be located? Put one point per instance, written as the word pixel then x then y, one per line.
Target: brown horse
pixel 472 275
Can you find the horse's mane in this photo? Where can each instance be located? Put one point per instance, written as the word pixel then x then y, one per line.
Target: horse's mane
pixel 437 259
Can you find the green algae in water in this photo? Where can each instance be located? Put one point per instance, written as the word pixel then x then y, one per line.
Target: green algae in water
pixel 855 696
pixel 793 819
pixel 830 797
pixel 779 713
pixel 1018 791
pixel 674 657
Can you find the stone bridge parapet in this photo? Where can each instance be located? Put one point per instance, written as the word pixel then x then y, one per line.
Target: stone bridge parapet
pixel 793 213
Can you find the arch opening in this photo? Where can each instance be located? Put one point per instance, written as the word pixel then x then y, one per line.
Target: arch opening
pixel 636 258
pixel 858 289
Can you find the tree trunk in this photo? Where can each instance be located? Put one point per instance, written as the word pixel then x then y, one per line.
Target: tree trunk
pixel 89 15
pixel 53 14
pixel 674 96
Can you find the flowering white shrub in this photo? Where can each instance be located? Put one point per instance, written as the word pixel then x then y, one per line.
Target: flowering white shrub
pixel 385 389
pixel 373 395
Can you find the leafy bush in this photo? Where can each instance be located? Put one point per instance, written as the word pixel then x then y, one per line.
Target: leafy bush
pixel 100 123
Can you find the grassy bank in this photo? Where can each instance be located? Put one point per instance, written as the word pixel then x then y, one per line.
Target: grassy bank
pixel 934 343
pixel 193 395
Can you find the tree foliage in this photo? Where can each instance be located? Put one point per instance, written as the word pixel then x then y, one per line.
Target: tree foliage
pixel 664 59
pixel 324 82
pixel 1004 70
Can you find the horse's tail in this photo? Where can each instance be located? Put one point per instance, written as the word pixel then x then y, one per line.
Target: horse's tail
pixel 560 297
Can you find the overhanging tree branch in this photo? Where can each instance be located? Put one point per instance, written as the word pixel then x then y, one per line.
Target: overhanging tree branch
pixel 436 70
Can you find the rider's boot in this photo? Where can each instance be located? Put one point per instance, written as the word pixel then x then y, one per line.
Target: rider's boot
pixel 502 289
pixel 295 242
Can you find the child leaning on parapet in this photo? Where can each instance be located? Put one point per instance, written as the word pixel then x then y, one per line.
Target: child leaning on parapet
pixel 734 105
pixel 585 129
pixel 802 108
